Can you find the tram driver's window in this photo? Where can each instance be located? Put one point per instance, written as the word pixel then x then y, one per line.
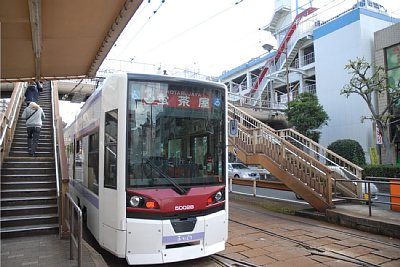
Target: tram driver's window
pixel 110 149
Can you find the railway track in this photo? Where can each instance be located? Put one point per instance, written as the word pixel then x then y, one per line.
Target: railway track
pixel 317 226
pixel 331 228
pixel 226 261
pixel 311 249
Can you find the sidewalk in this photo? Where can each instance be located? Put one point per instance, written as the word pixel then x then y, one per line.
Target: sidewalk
pixel 46 251
pixel 382 221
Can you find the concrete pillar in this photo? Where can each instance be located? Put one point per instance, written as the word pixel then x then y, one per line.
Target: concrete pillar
pixel 302 84
pixel 249 83
pixel 301 58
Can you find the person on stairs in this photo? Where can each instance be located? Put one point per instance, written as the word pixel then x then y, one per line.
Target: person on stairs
pixel 31 93
pixel 33 114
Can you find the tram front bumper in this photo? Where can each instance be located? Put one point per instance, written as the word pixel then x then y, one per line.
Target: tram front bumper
pixel 155 241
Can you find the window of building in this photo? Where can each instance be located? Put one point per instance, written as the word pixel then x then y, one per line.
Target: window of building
pixel 393 65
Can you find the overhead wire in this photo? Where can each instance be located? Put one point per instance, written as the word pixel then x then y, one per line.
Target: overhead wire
pixel 154 12
pixel 194 26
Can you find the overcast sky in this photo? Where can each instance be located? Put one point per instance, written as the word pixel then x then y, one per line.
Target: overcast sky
pixel 206 36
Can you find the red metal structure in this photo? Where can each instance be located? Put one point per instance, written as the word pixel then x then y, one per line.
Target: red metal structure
pixel 281 47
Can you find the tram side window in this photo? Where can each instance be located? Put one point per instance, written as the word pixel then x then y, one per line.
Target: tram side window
pixel 93 163
pixel 78 172
pixel 110 149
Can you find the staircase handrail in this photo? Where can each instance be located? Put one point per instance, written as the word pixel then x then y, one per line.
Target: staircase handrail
pixel 252 140
pixel 9 117
pixel 306 142
pixel 311 144
pixel 55 139
pixel 242 115
pixel 319 153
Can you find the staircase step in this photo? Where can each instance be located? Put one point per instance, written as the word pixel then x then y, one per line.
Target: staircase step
pixel 20 231
pixel 27 185
pixel 28 177
pixel 23 142
pixel 16 171
pixel 28 192
pixel 43 148
pixel 29 220
pixel 28 163
pixel 25 154
pixel 25 201
pixel 28 210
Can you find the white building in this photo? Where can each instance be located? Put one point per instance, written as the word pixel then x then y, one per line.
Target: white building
pixel 316 45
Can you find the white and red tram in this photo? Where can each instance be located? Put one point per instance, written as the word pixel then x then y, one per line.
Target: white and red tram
pixel 147 163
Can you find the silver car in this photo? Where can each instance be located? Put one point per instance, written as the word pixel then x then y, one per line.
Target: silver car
pixel 239 170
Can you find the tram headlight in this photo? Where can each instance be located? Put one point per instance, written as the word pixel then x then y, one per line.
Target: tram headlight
pixel 217 197
pixel 135 201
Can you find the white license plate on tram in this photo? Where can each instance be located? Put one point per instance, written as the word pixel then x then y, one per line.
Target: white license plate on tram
pixel 174 239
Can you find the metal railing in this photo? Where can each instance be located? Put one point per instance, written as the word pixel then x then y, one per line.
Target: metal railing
pixel 316 147
pixel 73 220
pixel 367 195
pixel 308 59
pixel 241 100
pixel 312 89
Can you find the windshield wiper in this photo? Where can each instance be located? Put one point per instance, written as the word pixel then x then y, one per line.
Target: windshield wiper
pixel 177 186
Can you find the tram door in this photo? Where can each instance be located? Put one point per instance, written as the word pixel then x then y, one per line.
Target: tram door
pixel 112 211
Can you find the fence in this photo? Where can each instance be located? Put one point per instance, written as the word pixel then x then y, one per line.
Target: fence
pixel 392 185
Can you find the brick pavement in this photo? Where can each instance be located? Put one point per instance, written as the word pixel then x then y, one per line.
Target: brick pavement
pixel 303 242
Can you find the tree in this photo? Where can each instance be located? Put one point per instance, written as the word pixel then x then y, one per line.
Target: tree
pixel 307 115
pixel 350 150
pixel 369 83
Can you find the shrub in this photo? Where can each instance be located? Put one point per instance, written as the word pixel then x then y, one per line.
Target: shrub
pixel 350 150
pixel 386 171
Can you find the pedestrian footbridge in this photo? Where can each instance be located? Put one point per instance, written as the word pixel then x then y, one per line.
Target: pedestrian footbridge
pixel 301 164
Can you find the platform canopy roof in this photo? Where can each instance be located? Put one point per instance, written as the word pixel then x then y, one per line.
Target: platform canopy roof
pixel 59 39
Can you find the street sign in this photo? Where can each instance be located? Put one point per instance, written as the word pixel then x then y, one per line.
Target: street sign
pixel 233 128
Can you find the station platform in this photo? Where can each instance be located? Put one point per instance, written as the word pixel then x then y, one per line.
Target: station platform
pixel 45 250
pixel 49 250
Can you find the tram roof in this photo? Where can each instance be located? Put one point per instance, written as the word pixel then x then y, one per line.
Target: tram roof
pixel 60 39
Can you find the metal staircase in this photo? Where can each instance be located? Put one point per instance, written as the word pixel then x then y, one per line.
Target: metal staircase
pixel 300 163
pixel 28 184
pixel 276 62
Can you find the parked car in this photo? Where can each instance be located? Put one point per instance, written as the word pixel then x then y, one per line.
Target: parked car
pixel 264 173
pixel 239 170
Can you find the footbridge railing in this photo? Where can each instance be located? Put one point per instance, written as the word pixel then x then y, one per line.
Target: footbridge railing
pixel 292 156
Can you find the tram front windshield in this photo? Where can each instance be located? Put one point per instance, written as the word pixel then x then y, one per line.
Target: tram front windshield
pixel 176 135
